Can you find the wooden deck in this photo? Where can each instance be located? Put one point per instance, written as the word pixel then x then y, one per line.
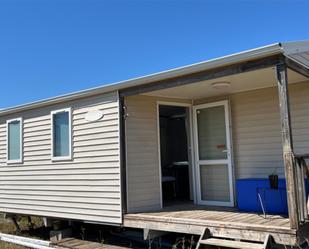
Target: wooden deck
pixel 73 243
pixel 222 222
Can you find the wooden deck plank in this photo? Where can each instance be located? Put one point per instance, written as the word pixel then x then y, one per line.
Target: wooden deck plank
pixel 230 244
pixel 73 243
pixel 231 216
pixel 239 217
pixel 224 222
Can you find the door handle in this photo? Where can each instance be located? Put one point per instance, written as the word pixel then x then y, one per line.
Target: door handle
pixel 227 153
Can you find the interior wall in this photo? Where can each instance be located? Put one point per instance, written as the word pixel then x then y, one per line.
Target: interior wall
pixel 143 174
pixel 174 149
pixel 173 139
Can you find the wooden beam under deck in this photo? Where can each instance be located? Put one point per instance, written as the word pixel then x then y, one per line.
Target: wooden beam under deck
pixel 225 223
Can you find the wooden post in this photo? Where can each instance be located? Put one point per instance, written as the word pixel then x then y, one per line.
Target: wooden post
pixel 287 143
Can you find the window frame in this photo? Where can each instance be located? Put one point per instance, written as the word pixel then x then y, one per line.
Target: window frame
pixel 52 113
pixel 20 160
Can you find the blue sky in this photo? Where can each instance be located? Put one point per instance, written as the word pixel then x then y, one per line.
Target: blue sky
pixel 53 47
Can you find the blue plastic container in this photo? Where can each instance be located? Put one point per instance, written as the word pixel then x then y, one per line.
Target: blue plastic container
pixel 252 192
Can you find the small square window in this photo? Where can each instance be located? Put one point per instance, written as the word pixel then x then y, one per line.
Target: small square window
pixel 61 134
pixel 14 140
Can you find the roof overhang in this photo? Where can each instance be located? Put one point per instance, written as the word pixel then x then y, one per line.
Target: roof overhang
pixel 228 85
pixel 235 63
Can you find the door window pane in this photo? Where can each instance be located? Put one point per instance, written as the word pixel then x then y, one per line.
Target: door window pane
pixel 61 134
pixel 14 140
pixel 214 183
pixel 211 133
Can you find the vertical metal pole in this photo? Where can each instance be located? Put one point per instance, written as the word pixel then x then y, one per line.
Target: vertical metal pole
pixel 287 143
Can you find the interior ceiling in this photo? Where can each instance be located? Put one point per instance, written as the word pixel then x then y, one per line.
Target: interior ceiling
pixel 238 83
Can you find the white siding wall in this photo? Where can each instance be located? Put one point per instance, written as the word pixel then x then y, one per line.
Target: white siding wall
pixel 143 183
pixel 85 188
pixel 257 133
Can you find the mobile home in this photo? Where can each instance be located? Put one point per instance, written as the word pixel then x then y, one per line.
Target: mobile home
pixel 188 150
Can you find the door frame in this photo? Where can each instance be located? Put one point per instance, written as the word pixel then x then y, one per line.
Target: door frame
pixel 190 150
pixel 224 103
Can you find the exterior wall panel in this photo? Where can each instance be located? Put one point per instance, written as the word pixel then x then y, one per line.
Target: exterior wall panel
pixel 143 176
pixel 256 133
pixel 84 188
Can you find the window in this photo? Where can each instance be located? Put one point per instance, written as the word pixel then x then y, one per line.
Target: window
pixel 61 134
pixel 14 140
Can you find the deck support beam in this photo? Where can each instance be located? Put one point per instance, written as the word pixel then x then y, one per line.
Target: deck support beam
pixel 287 143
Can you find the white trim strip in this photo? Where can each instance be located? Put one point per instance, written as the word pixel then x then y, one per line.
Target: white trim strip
pixel 20 160
pixel 227 161
pixel 23 241
pixel 52 113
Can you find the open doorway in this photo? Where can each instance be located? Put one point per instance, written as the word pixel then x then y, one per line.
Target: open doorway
pixel 174 154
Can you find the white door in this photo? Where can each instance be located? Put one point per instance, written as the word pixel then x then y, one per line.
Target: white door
pixel 213 154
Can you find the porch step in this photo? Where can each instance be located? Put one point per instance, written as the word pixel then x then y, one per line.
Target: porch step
pixel 207 240
pixel 231 243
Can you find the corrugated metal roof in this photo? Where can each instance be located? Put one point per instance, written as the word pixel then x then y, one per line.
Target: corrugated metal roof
pixel 297 51
pixel 302 58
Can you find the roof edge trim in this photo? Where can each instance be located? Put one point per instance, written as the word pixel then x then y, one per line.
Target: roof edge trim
pixel 246 55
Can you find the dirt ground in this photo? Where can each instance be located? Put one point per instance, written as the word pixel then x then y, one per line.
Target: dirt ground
pixel 96 233
pixel 7 226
